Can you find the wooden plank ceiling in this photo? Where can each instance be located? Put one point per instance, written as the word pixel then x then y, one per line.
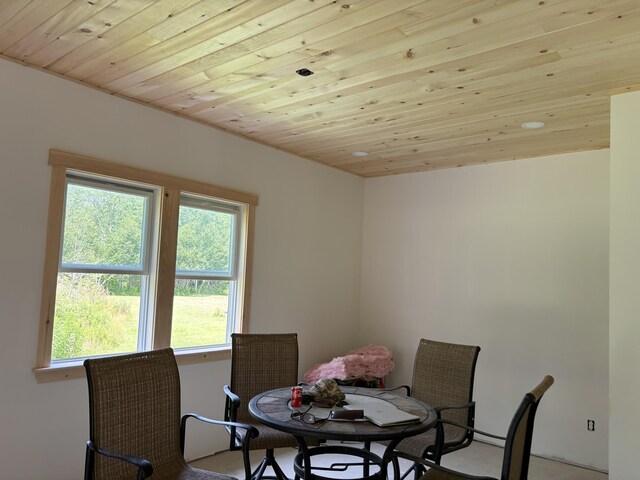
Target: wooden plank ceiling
pixel 419 85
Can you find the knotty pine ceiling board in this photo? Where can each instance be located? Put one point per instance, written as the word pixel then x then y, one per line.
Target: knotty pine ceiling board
pixel 418 84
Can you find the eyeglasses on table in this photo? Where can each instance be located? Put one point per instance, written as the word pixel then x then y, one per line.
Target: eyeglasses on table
pixel 306 417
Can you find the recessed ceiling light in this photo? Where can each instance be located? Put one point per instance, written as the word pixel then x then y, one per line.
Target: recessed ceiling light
pixel 532 125
pixel 360 154
pixel 304 72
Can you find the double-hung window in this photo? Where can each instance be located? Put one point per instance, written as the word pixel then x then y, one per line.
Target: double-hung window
pixel 137 260
pixel 206 272
pixel 104 285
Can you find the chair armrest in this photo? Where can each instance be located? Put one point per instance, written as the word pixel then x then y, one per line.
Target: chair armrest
pixel 145 469
pixel 454 407
pixel 406 387
pixel 450 474
pixel 232 403
pixel 440 440
pixel 470 429
pixel 252 432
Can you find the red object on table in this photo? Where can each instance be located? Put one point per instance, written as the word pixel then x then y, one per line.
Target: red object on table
pixel 296 397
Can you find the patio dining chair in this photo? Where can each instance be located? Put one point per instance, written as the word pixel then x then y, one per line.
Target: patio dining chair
pixel 517 447
pixel 260 362
pixel 443 377
pixel 135 429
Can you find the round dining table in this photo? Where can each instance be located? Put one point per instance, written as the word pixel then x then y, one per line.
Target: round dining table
pixel 273 408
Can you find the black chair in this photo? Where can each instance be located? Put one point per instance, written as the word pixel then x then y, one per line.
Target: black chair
pixel 135 428
pixel 260 362
pixel 517 448
pixel 443 377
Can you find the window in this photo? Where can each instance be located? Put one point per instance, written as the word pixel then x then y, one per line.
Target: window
pixel 103 286
pixel 206 281
pixel 138 260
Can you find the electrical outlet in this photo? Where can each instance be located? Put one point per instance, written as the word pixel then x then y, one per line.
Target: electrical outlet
pixel 591 425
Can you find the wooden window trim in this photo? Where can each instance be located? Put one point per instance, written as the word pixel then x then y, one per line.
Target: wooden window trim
pixel 171 186
pixel 76 370
pixel 72 161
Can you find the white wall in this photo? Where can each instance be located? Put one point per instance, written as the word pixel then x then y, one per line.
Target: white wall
pixel 624 329
pixel 306 263
pixel 512 257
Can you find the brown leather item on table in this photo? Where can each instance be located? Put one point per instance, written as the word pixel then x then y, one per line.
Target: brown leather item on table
pixel 346 414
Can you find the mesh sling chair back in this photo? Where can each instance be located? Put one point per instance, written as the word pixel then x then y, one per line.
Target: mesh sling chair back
pixel 517 447
pixel 260 362
pixel 134 420
pixel 443 376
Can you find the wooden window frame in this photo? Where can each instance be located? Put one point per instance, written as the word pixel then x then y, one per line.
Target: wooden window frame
pixel 171 188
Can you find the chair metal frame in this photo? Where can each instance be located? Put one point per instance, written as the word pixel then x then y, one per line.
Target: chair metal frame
pixel 441 354
pixel 517 449
pixel 124 377
pixel 236 406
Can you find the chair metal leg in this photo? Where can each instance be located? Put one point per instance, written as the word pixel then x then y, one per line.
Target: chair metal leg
pixel 269 460
pixel 413 468
pixel 259 472
pixel 365 464
pixel 418 471
pixel 396 468
pixel 278 471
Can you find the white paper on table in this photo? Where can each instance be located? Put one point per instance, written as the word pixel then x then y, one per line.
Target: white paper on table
pixel 379 412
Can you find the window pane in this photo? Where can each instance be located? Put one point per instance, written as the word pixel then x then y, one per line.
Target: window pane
pixel 200 313
pixel 103 227
pixel 205 241
pixel 95 314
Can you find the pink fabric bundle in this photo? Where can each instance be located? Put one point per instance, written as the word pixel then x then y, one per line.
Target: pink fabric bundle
pixel 370 362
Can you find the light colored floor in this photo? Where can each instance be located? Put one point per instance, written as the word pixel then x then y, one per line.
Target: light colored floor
pixel 478 459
